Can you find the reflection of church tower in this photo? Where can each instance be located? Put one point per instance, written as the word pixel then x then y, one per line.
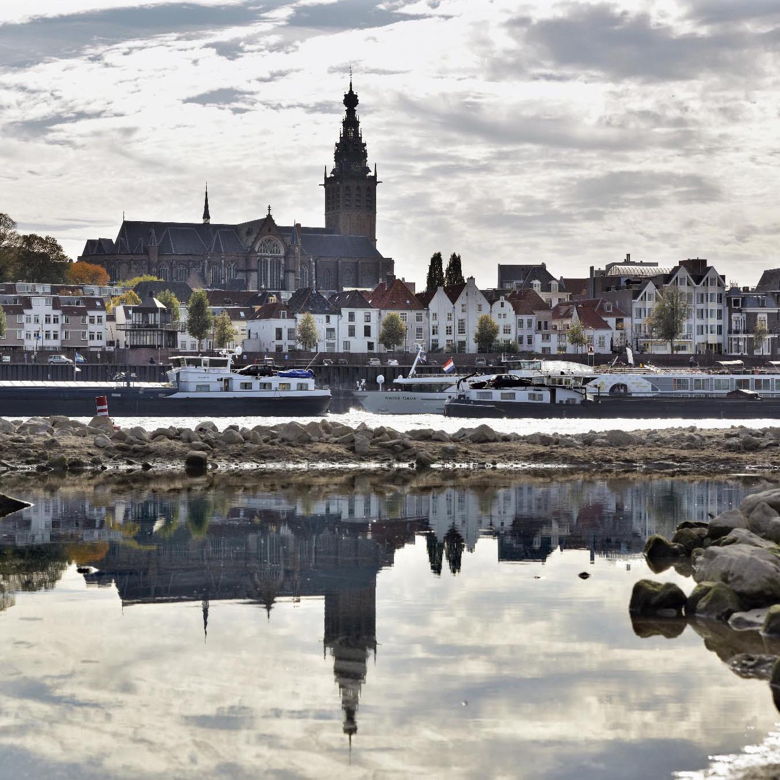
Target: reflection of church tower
pixel 350 190
pixel 350 633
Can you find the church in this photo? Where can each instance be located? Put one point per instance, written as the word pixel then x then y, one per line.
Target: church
pixel 259 254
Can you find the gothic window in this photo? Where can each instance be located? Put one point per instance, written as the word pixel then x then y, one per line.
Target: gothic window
pixel 164 273
pixel 231 271
pixel 181 273
pixel 347 197
pixel 216 276
pixel 269 246
pixel 327 279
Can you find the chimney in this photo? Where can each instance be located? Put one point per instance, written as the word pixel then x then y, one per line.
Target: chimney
pixel 389 279
pixel 628 257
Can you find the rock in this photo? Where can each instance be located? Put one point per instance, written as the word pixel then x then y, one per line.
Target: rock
pixel 9 505
pixel 583 575
pixel 660 553
pixel 669 628
pixel 690 538
pixel 346 439
pixel 35 428
pixel 649 598
pixel 752 572
pixel 449 451
pixel 771 625
pixel 440 436
pixel 188 436
pixel 6 426
pixel 752 666
pixel 620 438
pixel 725 522
pixel 771 497
pixel 162 433
pixel 231 436
pixel 743 536
pixel 764 521
pixel 422 434
pixel 720 602
pixel 749 620
pixel 207 426
pixel 196 463
pixel 696 595
pixel 423 461
pixel 101 422
pixel 102 441
pixel 774 678
pixel 749 443
pixel 295 433
pixel 200 446
pixel 540 439
pixel 119 435
pixel 482 434
pixel 362 445
pixel 139 433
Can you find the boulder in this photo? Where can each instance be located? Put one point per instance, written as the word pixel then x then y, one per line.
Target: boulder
pixel 449 451
pixel 696 595
pixel 35 428
pixel 196 463
pixel 720 602
pixel 771 497
pixel 482 434
pixel 102 441
pixel 119 435
pixel 139 433
pixel 764 521
pixel 207 425
pixel 231 436
pixel 774 679
pixel 660 553
pixel 662 599
pixel 620 438
pixel 295 433
pixel 771 625
pixel 540 439
pixel 749 443
pixel 100 421
pixel 753 573
pixel 6 426
pixel 725 522
pixel 362 445
pixel 749 620
pixel 423 460
pixel 421 434
pixel 440 436
pixel 743 536
pixel 188 436
pixel 690 538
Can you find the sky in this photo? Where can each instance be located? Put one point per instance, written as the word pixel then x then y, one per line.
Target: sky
pixel 569 133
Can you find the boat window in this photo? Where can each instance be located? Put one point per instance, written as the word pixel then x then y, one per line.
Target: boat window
pixel 202 388
pixel 681 384
pixel 245 385
pixel 536 396
pixel 284 385
pixel 743 384
pixel 302 386
pixel 194 362
pixel 763 384
pixel 484 395
pixel 777 384
pixel 507 396
pixel 266 386
pixel 701 384
pixel 722 383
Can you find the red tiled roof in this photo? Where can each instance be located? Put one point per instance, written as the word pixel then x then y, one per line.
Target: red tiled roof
pixel 397 296
pixel 527 301
pixel 590 319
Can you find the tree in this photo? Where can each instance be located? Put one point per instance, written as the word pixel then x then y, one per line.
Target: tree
pixel 760 332
pixel 127 298
pixel 132 282
pixel 576 335
pixel 40 259
pixel 171 302
pixel 435 273
pixel 306 332
pixel 9 242
pixel 200 320
pixel 86 273
pixel 486 332
pixel 669 315
pixel 3 322
pixel 224 332
pixel 454 273
pixel 393 331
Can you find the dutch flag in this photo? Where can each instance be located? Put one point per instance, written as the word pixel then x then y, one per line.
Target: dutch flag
pixel 448 367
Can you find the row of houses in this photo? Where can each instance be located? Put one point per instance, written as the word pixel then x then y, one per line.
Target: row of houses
pixel 533 310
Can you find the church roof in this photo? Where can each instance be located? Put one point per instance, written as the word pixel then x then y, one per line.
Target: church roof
pixel 178 238
pixel 319 243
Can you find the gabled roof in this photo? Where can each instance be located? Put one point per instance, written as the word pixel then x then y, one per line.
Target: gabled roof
pixel 769 281
pixel 425 297
pixel 524 275
pixel 575 285
pixel 454 290
pixel 395 296
pixel 590 319
pixel 527 301
pixel 309 300
pixel 273 311
pixel 145 290
pixel 600 306
pixel 236 297
pixel 178 238
pixel 350 299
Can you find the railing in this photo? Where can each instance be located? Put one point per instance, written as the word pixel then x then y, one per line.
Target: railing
pixel 148 326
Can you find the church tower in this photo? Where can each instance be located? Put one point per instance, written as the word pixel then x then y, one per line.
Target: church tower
pixel 350 189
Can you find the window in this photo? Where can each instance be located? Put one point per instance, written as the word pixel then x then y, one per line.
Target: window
pixel 345 346
pixel 244 385
pixel 91 319
pixel 418 316
pixel 351 331
pixel 351 316
pixel 278 336
pixel 404 316
pixel 434 316
pixel 448 330
pixel 47 319
pixel 463 308
pixel 291 336
pixel 418 334
pixel 461 327
pixel 449 316
pixel 507 330
pixel 736 303
pixel 330 333
pixel 367 331
pixel 434 330
pixel 367 316
pixel 327 319
pixel 301 386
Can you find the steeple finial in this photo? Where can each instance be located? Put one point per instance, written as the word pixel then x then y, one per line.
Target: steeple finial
pixel 206 214
pixel 269 209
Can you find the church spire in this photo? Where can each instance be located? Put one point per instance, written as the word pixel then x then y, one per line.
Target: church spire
pixel 206 215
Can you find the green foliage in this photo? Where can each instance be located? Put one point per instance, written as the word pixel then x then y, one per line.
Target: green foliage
pixel 9 240
pixel 435 273
pixel 668 317
pixel 224 332
pixel 306 333
pixel 200 320
pixel 128 298
pixel 486 332
pixel 30 258
pixel 760 332
pixel 576 335
pixel 171 302
pixel 3 322
pixel 393 332
pixel 454 273
pixel 132 282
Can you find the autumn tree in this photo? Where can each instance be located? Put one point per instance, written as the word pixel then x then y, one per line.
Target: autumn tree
pixel 133 281
pixel 200 320
pixel 435 273
pixel 576 335
pixel 760 333
pixel 86 273
pixel 127 298
pixel 168 299
pixel 306 333
pixel 669 315
pixel 393 331
pixel 454 273
pixel 224 332
pixel 486 333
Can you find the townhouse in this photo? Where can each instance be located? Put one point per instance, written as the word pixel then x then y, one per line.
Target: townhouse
pixel 398 296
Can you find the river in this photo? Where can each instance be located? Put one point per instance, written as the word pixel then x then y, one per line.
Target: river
pixel 343 626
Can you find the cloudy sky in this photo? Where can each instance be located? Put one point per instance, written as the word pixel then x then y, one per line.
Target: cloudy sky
pixel 570 133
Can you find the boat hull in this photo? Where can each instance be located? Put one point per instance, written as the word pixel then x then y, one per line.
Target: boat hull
pixel 399 402
pixel 154 402
pixel 629 408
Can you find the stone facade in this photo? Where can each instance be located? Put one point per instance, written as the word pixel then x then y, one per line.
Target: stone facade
pixel 259 254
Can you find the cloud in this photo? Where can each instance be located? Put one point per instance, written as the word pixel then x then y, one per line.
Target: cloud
pixel 620 45
pixel 350 15
pixel 38 128
pixel 714 12
pixel 643 189
pixel 226 96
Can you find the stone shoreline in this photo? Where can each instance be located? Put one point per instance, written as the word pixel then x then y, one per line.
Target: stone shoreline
pixel 63 444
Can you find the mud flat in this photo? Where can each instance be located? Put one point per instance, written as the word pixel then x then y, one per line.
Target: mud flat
pixel 63 444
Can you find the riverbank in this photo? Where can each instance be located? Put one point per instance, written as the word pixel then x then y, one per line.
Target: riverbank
pixel 64 444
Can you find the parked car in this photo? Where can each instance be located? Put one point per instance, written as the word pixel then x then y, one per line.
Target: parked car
pixel 392 362
pixel 480 362
pixel 327 362
pixel 374 362
pixel 60 359
pixel 342 362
